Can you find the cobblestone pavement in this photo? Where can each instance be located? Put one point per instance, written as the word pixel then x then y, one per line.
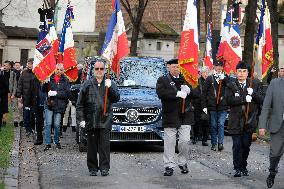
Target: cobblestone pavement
pixel 141 166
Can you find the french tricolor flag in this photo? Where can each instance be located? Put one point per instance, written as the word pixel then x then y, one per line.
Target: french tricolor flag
pixel 230 50
pixel 115 46
pixel 264 40
pixel 208 61
pixel 67 47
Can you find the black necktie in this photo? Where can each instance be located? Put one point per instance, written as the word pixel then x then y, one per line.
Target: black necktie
pixel 242 85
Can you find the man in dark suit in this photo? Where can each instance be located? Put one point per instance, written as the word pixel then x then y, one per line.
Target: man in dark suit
pixel 240 96
pixel 171 89
pixel 271 119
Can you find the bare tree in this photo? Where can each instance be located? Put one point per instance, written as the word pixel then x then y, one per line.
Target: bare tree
pixel 135 13
pixel 274 18
pixel 250 15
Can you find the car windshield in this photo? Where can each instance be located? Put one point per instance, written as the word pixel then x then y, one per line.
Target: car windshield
pixel 141 71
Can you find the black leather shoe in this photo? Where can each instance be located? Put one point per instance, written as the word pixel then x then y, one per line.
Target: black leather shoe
pixel 93 173
pixel 220 147
pixel 104 173
pixel 22 124
pixel 58 146
pixel 183 168
pixel 270 180
pixel 64 128
pixel 245 172
pixel 47 147
pixel 38 142
pixel 194 141
pixel 213 148
pixel 16 124
pixel 204 144
pixel 168 171
pixel 73 129
pixel 238 173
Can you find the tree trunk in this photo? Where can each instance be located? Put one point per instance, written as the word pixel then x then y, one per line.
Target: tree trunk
pixel 250 16
pixel 134 39
pixel 230 2
pixel 274 17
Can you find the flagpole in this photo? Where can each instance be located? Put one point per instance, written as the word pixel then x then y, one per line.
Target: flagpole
pixel 106 91
pixel 250 83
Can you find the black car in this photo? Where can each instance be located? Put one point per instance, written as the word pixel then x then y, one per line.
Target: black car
pixel 137 116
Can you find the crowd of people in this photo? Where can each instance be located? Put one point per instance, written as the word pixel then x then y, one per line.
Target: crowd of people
pixel 41 107
pixel 218 95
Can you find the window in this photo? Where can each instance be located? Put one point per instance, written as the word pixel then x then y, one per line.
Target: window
pixel 24 56
pixel 159 46
pixel 1 56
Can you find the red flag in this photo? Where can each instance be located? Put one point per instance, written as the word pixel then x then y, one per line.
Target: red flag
pixel 189 45
pixel 44 59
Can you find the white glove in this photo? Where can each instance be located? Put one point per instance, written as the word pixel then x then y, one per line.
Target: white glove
pixel 52 93
pixel 237 94
pixel 205 110
pixel 221 76
pixel 250 91
pixel 181 94
pixel 185 89
pixel 108 83
pixel 248 98
pixel 82 124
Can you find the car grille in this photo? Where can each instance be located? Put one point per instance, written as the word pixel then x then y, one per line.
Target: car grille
pixel 134 116
pixel 119 136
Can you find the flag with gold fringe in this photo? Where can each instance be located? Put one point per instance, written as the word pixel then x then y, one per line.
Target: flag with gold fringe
pixel 189 45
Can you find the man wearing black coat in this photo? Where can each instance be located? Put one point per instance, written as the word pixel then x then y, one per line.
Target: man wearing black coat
pixel 214 104
pixel 58 93
pixel 24 95
pixel 89 112
pixel 172 90
pixel 3 96
pixel 240 96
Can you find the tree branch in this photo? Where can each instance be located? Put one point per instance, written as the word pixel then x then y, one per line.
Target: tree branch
pixel 10 1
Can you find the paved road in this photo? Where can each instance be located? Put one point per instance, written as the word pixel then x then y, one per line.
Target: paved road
pixel 141 166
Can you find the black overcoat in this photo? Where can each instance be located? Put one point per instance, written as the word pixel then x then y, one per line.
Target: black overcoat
pixel 238 106
pixel 4 89
pixel 172 116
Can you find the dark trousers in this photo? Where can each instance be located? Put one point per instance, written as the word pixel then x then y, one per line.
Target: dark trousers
pixel 276 149
pixel 39 123
pixel 98 142
pixel 29 119
pixel 241 148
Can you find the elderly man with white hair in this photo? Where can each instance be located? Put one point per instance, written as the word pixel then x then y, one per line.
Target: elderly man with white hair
pixel 201 127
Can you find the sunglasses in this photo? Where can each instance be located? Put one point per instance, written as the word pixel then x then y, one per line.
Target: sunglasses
pixel 99 69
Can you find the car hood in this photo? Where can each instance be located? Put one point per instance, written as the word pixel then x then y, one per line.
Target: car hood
pixel 138 96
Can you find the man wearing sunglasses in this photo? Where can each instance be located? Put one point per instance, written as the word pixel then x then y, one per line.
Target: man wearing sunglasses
pixel 90 114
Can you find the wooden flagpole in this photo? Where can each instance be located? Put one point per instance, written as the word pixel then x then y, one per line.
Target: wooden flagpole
pixel 250 83
pixel 106 92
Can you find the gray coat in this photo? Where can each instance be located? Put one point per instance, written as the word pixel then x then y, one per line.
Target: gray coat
pixel 271 117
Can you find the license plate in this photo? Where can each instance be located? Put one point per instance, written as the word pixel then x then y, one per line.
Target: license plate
pixel 132 129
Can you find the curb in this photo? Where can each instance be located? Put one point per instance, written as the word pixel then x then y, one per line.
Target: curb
pixel 12 172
